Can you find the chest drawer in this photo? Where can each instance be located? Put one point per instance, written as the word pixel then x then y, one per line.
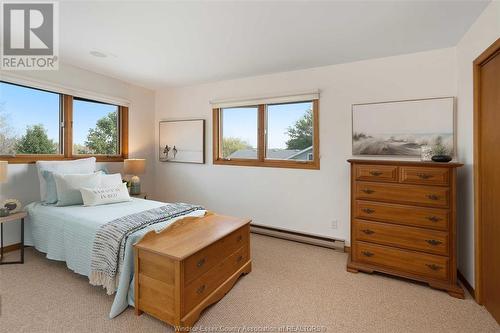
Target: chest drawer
pixel 433 218
pixel 385 173
pixel 204 260
pixel 406 194
pixel 425 176
pixel 201 287
pixel 430 241
pixel 426 265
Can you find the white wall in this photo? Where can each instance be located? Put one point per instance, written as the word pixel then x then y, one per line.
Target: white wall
pixel 301 200
pixel 22 178
pixel 481 35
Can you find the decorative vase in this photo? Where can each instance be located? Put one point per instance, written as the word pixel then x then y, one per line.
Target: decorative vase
pixel 425 153
pixel 441 158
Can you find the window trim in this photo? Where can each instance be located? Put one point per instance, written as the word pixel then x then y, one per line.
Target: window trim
pixel 66 135
pixel 261 161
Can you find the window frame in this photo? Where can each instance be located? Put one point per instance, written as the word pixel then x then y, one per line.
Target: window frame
pixel 66 135
pixel 261 160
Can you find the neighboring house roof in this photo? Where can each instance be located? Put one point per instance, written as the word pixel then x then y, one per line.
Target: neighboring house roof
pixel 301 153
pixel 281 154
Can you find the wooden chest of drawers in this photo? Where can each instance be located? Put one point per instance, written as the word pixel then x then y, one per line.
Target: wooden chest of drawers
pixel 191 265
pixel 403 221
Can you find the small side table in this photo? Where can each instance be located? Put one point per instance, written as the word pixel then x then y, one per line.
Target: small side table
pixel 141 195
pixel 11 218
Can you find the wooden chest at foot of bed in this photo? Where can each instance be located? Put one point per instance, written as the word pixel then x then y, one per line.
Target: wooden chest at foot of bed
pixel 187 267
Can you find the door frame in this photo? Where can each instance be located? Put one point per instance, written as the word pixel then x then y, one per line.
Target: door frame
pixel 487 55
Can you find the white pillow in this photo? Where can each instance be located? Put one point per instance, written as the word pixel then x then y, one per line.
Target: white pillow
pixel 110 180
pixel 68 187
pixel 104 195
pixel 81 166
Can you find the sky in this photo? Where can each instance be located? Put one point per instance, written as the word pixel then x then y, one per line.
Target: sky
pixel 26 107
pixel 242 122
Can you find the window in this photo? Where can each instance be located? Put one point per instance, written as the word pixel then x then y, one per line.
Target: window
pixel 239 141
pixel 281 134
pixel 30 121
pixel 40 125
pixel 95 128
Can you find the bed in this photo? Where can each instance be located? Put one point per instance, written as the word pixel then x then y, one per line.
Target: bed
pixel 67 234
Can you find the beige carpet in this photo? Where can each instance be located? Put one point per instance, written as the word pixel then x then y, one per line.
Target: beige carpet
pixel 291 284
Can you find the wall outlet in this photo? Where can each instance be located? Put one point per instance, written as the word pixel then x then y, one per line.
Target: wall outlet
pixel 335 224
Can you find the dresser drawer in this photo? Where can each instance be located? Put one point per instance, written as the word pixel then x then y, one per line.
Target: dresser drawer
pixel 425 176
pixel 204 260
pixel 419 239
pixel 406 194
pixel 383 173
pixel 423 264
pixel 433 218
pixel 200 288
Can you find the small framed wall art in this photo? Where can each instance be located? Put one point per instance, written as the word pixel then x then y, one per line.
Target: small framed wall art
pixel 182 141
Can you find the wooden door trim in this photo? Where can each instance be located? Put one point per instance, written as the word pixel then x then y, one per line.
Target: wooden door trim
pixel 480 61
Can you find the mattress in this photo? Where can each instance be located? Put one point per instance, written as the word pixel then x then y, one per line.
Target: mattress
pixel 67 234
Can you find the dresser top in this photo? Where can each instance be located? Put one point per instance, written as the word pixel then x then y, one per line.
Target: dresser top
pixel 452 164
pixel 189 235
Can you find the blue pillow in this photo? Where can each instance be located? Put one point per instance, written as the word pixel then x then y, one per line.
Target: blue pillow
pixel 51 190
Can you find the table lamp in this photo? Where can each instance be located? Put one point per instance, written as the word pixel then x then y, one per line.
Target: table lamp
pixel 134 167
pixel 3 178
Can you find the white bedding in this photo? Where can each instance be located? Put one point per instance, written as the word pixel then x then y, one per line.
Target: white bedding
pixel 67 233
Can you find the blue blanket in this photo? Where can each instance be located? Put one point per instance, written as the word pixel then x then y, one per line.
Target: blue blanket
pixel 67 234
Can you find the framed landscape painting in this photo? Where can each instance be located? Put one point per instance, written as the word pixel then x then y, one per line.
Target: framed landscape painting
pixel 182 141
pixel 401 128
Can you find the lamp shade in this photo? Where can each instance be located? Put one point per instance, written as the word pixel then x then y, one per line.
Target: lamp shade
pixel 134 166
pixel 3 171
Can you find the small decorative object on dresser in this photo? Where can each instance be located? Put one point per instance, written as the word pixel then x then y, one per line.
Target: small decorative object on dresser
pixel 134 167
pixel 403 221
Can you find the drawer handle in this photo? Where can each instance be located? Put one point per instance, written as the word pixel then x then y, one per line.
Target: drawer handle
pixel 240 237
pixel 433 242
pixel 432 196
pixel 367 253
pixel 201 289
pixel 368 231
pixel 424 175
pixel 368 210
pixel 240 258
pixel 433 218
pixel 375 173
pixel 367 191
pixel 200 263
pixel 434 267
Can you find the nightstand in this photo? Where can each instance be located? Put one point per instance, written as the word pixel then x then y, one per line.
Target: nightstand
pixel 11 218
pixel 141 195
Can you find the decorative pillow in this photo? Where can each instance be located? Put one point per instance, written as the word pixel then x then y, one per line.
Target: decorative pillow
pixel 68 187
pixel 81 166
pixel 104 195
pixel 50 187
pixel 111 180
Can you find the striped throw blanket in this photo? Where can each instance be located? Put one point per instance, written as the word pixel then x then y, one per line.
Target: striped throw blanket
pixel 108 250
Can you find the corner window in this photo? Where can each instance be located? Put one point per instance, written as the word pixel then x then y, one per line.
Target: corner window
pixel 42 125
pixel 270 135
pixel 30 121
pixel 95 128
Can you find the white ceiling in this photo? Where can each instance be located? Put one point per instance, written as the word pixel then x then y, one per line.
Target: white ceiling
pixel 157 44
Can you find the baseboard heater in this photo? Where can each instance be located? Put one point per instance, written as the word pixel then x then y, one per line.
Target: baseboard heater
pixel 331 243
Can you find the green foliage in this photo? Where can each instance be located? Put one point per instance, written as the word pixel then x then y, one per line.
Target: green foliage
pixel 301 133
pixel 230 145
pixel 103 139
pixel 36 141
pixel 7 138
